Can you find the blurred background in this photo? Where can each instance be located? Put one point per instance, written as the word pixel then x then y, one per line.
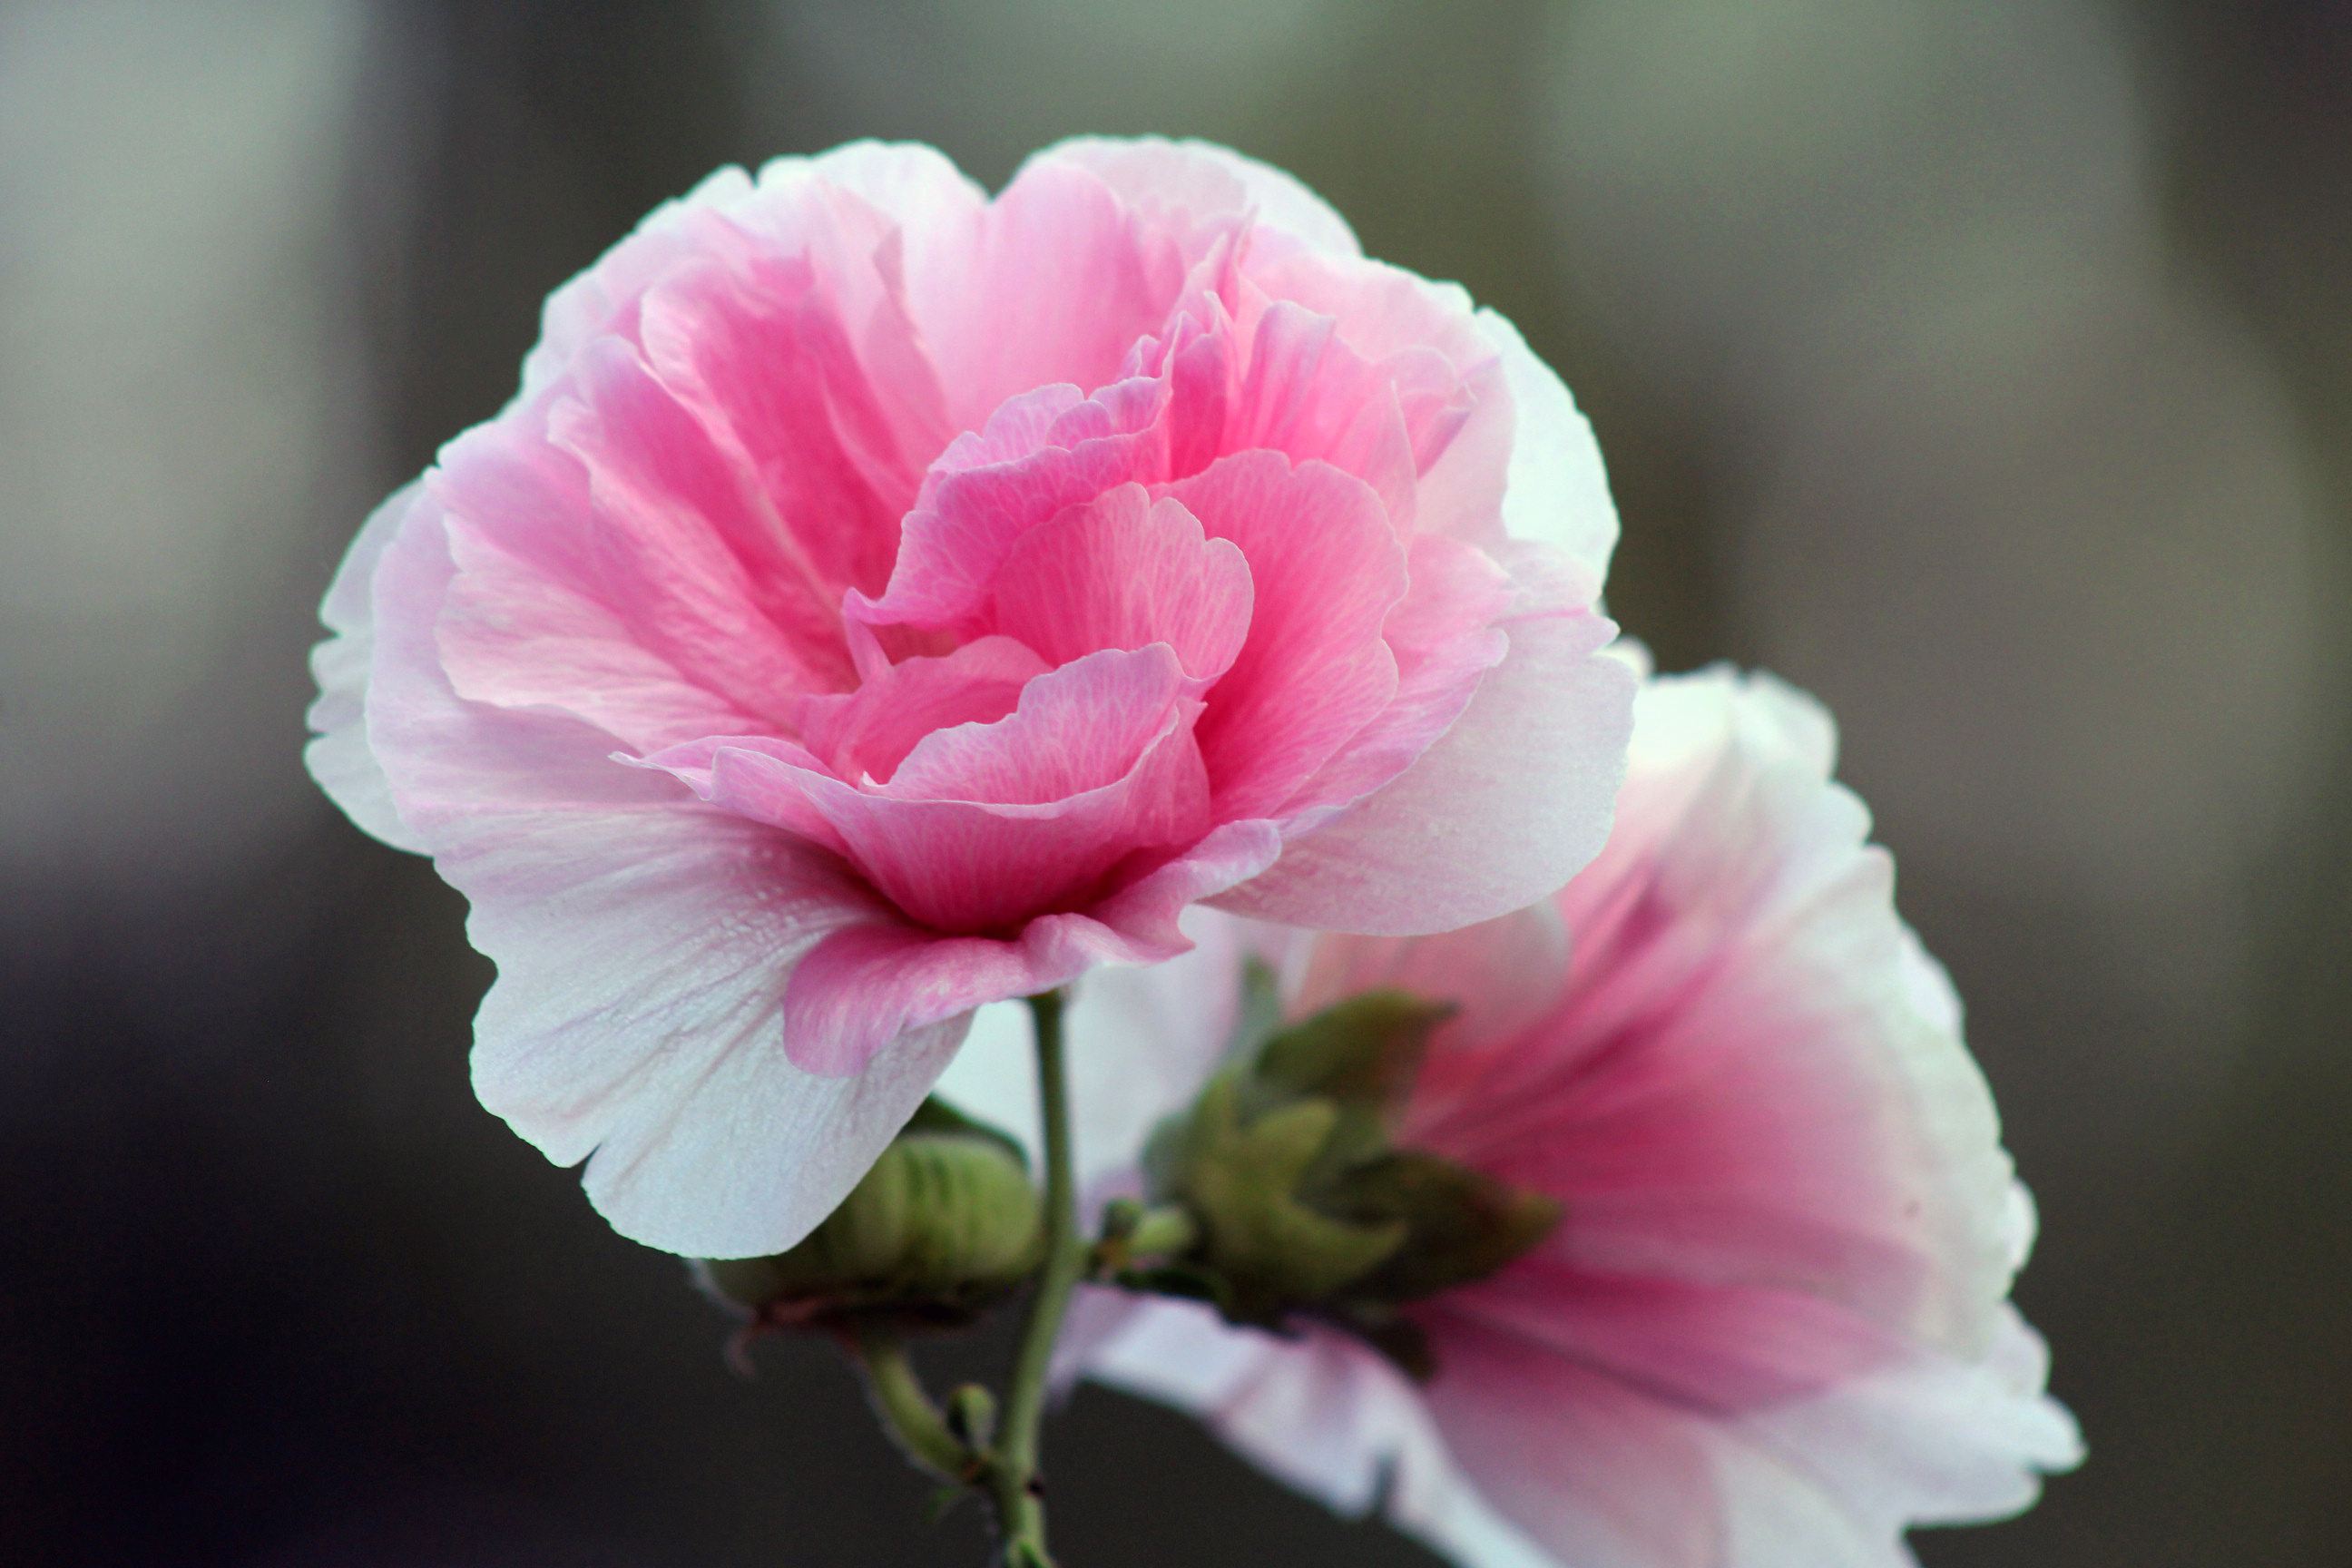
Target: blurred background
pixel 1987 369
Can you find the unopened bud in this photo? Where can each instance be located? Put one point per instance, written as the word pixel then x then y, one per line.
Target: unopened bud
pixel 945 1224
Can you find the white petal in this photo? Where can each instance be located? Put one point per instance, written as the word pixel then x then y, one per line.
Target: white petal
pixel 1557 488
pixel 638 1015
pixel 339 755
pixel 1207 179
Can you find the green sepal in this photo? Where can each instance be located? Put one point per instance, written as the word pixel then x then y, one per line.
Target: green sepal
pixel 1462 1225
pixel 1364 1053
pixel 1304 1207
pixel 1241 1178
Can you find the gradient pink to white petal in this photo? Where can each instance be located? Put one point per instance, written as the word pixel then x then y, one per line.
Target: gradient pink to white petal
pixel 1772 1330
pixel 881 600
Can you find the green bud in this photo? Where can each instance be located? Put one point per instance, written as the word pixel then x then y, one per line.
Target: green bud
pixel 945 1224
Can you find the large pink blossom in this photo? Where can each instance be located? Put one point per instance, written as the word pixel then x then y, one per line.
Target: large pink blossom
pixel 1771 1329
pixel 881 600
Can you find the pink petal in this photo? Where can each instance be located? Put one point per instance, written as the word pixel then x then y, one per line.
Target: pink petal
pixel 1500 810
pixel 1325 570
pixel 868 732
pixel 985 826
pixel 1306 393
pixel 1123 572
pixel 642 947
pixel 1082 727
pixel 1040 453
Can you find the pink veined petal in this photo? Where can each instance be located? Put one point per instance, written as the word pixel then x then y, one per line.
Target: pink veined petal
pixel 643 945
pixel 338 756
pixel 932 206
pixel 1383 308
pixel 761 356
pixel 616 566
pixel 1306 393
pixel 1124 572
pixel 1201 182
pixel 1040 453
pixel 1325 570
pixel 689 544
pixel 1504 807
pixel 864 986
pixel 512 638
pixel 868 732
pixel 753 776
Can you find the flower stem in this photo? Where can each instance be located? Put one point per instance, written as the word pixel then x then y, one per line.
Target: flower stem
pixel 1013 1477
pixel 907 1411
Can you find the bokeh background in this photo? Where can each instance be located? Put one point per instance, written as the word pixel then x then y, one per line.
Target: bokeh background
pixel 1987 369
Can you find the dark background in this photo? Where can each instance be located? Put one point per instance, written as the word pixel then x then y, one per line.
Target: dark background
pixel 1987 369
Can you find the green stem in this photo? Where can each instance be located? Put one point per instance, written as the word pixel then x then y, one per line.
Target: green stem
pixel 1014 1475
pixel 907 1411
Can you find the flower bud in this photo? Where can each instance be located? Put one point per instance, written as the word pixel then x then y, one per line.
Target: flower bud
pixel 945 1225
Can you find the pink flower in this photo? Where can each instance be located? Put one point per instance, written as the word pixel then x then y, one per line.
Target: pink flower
pixel 881 600
pixel 1771 1328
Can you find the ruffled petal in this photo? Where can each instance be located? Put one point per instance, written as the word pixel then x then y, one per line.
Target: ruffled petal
pixel 1187 183
pixel 1059 279
pixel 1123 572
pixel 1327 569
